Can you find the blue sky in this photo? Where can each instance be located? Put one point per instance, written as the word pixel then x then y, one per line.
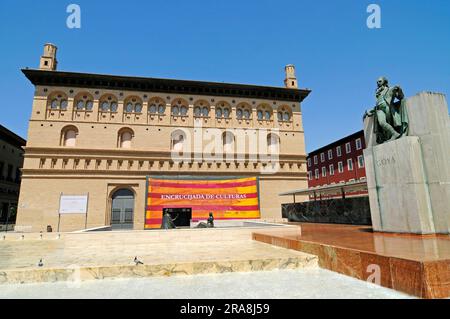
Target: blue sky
pixel 246 41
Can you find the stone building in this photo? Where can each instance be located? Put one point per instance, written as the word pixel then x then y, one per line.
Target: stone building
pixel 103 135
pixel 11 161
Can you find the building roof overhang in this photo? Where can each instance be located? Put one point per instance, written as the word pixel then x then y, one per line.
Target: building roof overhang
pixel 11 137
pixel 331 189
pixel 131 83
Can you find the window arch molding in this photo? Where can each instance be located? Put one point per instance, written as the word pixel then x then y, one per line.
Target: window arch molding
pixel 57 100
pixel 132 104
pixel 108 103
pixel 273 143
pixel 156 105
pixel 228 142
pixel 178 140
pixel 284 113
pixel 69 135
pixel 223 110
pixel 244 111
pixel 264 112
pixel 201 108
pixel 125 138
pixel 83 101
pixel 179 107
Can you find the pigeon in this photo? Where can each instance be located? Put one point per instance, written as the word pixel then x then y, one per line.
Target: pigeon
pixel 40 264
pixel 137 261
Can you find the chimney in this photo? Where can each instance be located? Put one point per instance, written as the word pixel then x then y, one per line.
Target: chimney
pixel 48 59
pixel 291 80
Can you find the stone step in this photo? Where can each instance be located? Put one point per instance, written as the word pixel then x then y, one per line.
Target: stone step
pixel 77 274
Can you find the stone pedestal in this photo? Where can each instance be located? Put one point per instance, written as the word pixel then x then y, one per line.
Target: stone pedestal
pixel 409 179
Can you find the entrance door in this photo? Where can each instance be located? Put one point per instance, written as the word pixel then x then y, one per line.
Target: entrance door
pixel 122 209
pixel 182 216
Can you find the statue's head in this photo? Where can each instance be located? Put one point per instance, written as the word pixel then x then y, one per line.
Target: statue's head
pixel 382 81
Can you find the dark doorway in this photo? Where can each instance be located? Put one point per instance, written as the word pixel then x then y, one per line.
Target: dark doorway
pixel 122 209
pixel 183 216
pixel 4 210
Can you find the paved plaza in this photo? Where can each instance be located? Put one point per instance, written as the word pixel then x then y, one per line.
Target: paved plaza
pixel 291 284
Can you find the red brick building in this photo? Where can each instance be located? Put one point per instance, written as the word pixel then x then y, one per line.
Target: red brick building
pixel 338 162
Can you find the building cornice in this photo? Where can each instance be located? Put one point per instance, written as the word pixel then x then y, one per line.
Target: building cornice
pixel 169 86
pixel 139 175
pixel 62 152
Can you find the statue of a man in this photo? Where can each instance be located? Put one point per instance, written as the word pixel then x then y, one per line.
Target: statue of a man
pixel 168 221
pixel 209 223
pixel 391 118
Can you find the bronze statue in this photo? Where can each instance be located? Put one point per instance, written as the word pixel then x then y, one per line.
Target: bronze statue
pixel 168 221
pixel 390 115
pixel 209 222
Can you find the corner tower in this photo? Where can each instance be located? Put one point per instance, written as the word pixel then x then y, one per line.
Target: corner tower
pixel 48 59
pixel 291 80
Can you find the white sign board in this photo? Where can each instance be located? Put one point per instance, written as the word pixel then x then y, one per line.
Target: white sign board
pixel 73 204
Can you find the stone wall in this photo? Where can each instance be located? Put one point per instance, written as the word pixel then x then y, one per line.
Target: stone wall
pixel 353 211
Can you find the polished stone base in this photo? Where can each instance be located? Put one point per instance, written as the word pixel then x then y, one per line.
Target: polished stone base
pixel 413 264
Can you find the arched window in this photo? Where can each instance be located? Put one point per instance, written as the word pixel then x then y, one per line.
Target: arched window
pixel 201 109
pixel 273 143
pixel 57 101
pixel 69 136
pixel 84 102
pixel 108 103
pixel 284 114
pixel 264 112
pixel 223 110
pixel 125 138
pixel 227 113
pixel 132 105
pixel 178 139
pixel 179 107
pixel 243 112
pixel 260 115
pixel 156 106
pixel 228 142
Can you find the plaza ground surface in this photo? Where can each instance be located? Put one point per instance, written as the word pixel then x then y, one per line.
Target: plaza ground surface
pixel 110 255
pixel 290 284
pixel 281 261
